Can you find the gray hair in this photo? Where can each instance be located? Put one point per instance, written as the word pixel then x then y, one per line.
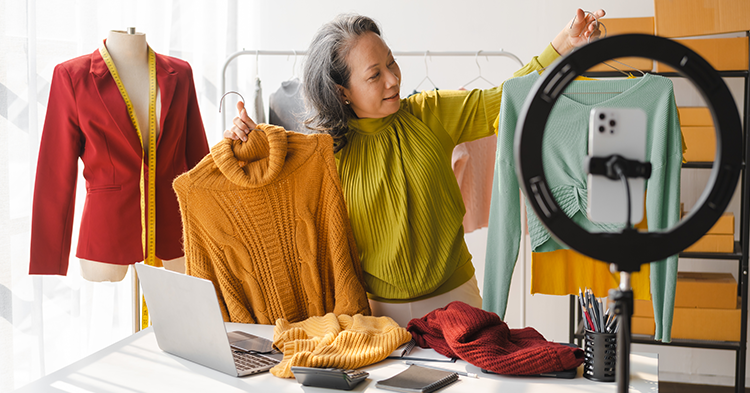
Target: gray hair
pixel 325 68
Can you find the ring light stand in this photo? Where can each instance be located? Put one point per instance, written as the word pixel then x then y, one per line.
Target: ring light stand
pixel 629 249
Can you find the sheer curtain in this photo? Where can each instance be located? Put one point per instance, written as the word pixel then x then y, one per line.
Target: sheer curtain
pixel 47 322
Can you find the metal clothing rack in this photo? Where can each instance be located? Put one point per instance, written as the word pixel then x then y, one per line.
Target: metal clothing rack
pixel 426 53
pixel 501 52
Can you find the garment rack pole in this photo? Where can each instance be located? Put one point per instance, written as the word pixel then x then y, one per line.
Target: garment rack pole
pixel 427 53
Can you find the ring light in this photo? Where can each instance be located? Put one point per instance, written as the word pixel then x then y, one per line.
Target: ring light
pixel 630 249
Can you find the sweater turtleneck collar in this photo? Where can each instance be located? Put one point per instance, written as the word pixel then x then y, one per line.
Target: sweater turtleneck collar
pixel 256 162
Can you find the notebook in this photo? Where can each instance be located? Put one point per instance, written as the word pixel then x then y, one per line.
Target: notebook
pixel 187 322
pixel 418 379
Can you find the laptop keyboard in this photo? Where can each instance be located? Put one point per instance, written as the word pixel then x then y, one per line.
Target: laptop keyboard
pixel 250 362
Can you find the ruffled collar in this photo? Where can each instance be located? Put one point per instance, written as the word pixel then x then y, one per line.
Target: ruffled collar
pixel 372 126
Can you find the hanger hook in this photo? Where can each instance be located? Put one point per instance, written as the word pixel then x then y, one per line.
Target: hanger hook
pixel 596 21
pixel 605 29
pixel 227 93
pixel 476 60
pixel 257 53
pixel 426 70
pixel 294 65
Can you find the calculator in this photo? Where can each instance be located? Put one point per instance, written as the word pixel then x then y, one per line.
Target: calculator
pixel 331 378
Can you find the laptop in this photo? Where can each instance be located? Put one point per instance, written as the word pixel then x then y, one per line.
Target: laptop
pixel 187 321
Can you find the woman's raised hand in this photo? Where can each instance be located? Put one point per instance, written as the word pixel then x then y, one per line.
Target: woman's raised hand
pixel 242 125
pixel 578 32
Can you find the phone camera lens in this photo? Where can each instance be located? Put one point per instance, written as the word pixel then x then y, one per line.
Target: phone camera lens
pixel 602 116
pixel 601 128
pixel 612 123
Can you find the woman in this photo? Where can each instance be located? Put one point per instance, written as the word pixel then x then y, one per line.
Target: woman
pixel 394 160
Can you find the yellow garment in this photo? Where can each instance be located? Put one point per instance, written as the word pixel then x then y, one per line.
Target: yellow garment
pixel 345 341
pixel 266 222
pixel 564 272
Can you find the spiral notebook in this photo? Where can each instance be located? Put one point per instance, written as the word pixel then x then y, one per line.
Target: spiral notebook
pixel 418 379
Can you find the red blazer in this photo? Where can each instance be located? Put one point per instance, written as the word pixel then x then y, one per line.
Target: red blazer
pixel 87 119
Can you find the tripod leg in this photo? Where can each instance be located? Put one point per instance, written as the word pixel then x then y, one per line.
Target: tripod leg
pixel 623 297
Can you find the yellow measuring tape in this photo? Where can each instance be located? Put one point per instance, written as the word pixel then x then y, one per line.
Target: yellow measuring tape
pixel 148 219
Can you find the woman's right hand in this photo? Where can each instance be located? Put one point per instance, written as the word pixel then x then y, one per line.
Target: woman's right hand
pixel 242 125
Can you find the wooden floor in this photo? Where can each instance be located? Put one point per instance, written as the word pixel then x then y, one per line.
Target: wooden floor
pixel 672 387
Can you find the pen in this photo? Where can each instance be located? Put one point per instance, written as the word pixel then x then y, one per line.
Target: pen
pixel 595 315
pixel 611 325
pixel 463 373
pixel 602 326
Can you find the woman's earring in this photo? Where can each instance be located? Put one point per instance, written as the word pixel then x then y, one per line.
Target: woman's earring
pixel 347 102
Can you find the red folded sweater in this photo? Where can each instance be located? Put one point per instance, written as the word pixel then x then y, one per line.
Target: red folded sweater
pixel 482 339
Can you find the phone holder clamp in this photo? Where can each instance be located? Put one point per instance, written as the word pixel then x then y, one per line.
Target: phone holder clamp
pixel 606 166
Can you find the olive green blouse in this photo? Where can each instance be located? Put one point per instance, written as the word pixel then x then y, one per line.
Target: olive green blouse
pixel 404 203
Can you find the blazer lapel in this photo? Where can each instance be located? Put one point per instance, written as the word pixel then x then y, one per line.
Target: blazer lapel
pixel 113 101
pixel 166 77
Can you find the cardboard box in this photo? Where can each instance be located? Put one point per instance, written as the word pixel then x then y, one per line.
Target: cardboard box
pixel 700 142
pixel 713 243
pixel 724 54
pixel 695 116
pixel 724 226
pixel 706 290
pixel 695 323
pixel 643 308
pixel 617 26
pixel 707 323
pixel 642 325
pixel 684 18
pixel 720 238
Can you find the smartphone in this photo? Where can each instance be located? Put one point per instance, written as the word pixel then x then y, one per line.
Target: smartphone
pixel 620 131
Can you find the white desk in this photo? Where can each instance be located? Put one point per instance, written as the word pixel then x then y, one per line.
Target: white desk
pixel 136 364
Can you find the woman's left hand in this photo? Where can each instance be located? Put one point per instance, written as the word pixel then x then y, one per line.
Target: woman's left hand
pixel 582 29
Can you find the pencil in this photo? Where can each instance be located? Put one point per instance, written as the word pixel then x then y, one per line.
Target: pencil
pixel 592 327
pixel 583 308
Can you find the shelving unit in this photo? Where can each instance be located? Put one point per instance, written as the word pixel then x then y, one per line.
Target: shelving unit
pixel 740 254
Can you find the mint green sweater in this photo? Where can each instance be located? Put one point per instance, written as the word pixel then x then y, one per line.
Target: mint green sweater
pixel 564 148
pixel 404 202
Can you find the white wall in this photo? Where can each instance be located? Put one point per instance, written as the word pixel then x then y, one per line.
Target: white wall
pixel 522 27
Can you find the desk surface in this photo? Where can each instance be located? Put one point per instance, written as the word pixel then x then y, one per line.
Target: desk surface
pixel 136 364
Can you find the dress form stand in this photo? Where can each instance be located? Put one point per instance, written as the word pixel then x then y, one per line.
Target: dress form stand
pixel 129 52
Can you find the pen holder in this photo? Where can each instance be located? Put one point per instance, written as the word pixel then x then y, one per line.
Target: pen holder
pixel 600 355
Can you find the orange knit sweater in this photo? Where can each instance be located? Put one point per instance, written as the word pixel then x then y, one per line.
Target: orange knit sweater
pixel 265 221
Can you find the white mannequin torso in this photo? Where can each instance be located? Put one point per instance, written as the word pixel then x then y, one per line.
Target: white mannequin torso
pixel 129 52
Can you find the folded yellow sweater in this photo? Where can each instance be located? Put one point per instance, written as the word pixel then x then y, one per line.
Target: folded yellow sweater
pixel 342 341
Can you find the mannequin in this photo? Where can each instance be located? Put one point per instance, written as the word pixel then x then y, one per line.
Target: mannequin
pixel 129 52
pixel 88 121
